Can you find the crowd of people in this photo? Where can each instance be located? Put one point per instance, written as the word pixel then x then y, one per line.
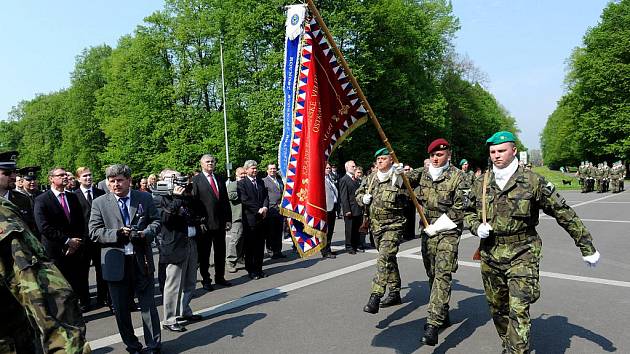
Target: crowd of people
pixel 115 228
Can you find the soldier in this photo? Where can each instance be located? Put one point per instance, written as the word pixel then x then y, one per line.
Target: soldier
pixel 8 191
pixel 599 177
pixel 503 212
pixel 622 176
pixel 590 177
pixel 30 283
pixel 29 182
pixel 614 177
pixel 385 196
pixel 440 192
pixel 581 174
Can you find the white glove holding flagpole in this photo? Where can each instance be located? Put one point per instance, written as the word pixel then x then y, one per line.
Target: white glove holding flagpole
pixel 483 230
pixel 399 168
pixel 591 260
pixel 443 223
pixel 367 199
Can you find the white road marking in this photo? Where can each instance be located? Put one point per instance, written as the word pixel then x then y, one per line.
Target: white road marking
pixel 592 220
pixel 623 284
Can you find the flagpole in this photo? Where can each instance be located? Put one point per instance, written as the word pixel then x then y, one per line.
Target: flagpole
pixel 375 121
pixel 228 165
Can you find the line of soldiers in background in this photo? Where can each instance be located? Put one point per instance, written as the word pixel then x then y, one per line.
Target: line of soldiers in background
pixel 601 177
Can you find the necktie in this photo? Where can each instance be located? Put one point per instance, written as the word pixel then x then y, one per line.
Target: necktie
pixel 254 183
pixel 64 205
pixel 214 186
pixel 89 196
pixel 124 211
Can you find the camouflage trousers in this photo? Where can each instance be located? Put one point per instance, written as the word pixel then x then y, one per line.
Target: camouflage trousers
pixel 439 255
pixel 387 275
pixel 510 278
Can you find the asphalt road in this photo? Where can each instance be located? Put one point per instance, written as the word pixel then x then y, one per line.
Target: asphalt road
pixel 315 305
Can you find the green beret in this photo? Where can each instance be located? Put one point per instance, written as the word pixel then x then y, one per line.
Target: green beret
pixel 462 162
pixel 500 138
pixel 381 152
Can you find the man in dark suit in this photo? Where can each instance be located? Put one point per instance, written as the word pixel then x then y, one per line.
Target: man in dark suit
pixel 275 220
pixel 8 178
pixel 60 222
pixel 86 193
pixel 210 192
pixel 125 222
pixel 255 203
pixel 352 212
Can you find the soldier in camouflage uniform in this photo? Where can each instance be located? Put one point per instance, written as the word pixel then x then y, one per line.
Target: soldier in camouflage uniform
pixel 468 177
pixel 40 313
pixel 386 197
pixel 614 177
pixel 510 247
pixel 581 174
pixel 441 193
pixel 590 177
pixel 599 176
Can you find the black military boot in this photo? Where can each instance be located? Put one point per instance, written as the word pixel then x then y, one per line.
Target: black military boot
pixel 372 305
pixel 393 298
pixel 447 321
pixel 430 335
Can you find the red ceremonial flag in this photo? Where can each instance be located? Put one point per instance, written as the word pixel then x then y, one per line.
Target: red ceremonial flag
pixel 327 109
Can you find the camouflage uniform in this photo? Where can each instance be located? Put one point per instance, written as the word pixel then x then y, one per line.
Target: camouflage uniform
pixel 614 178
pixel 582 175
pixel 387 221
pixel 599 176
pixel 510 257
pixel 37 300
pixel 439 252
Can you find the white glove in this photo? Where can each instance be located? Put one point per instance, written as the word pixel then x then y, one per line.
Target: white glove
pixel 399 168
pixel 430 230
pixel 367 199
pixel 591 260
pixel 483 230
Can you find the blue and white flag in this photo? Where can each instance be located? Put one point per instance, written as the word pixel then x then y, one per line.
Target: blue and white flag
pixel 293 42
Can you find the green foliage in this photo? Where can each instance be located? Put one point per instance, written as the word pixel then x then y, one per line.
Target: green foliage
pixel 155 100
pixel 593 120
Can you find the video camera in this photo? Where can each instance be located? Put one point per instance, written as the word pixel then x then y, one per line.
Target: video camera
pixel 166 186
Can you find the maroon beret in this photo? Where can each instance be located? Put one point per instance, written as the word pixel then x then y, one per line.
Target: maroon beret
pixel 438 144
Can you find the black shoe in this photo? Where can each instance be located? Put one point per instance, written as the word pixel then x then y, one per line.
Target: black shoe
pixel 372 305
pixel 253 276
pixel 333 253
pixel 262 274
pixel 447 322
pixel 393 298
pixel 278 256
pixel 133 307
pixel 223 282
pixel 174 327
pixel 150 351
pixel 430 335
pixel 361 250
pixel 190 318
pixel 207 286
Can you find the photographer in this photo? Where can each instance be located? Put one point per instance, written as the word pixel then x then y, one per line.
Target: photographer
pixel 178 248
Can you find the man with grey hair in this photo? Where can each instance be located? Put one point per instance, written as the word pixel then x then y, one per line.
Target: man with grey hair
pixel 126 221
pixel 212 203
pixel 178 250
pixel 255 202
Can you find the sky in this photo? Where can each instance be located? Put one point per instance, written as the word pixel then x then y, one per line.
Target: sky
pixel 521 45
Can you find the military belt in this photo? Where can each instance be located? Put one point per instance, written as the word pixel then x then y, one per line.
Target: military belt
pixel 432 213
pixel 528 234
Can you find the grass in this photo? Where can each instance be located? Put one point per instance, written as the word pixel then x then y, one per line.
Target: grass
pixel 556 178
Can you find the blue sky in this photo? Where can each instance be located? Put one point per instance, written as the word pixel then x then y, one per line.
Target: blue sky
pixel 522 46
